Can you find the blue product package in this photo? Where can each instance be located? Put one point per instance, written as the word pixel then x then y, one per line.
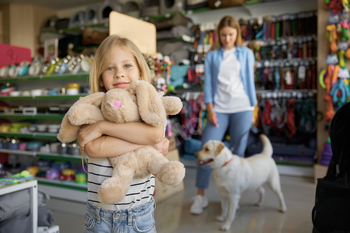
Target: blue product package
pixel 178 75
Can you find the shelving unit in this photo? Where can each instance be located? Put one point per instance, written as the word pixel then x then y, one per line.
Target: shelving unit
pixel 62 184
pixel 47 136
pixel 62 190
pixel 55 156
pixel 253 10
pixel 196 11
pixel 43 97
pixel 45 77
pixel 55 188
pixel 183 38
pixel 38 116
pixel 33 187
pixel 78 29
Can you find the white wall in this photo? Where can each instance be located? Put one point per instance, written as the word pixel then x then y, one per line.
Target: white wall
pixel 67 13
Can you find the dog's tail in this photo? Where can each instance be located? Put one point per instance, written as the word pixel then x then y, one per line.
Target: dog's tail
pixel 267 147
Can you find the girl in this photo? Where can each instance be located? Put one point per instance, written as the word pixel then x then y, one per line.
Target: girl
pixel 229 94
pixel 118 63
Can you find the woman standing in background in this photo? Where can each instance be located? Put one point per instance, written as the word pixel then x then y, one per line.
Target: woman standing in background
pixel 229 93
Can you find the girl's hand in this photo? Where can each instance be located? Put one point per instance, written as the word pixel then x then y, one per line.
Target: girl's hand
pixel 88 133
pixel 212 117
pixel 162 146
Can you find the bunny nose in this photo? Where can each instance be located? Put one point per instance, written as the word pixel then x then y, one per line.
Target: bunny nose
pixel 117 104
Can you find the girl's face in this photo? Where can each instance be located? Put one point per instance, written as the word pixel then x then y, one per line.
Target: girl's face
pixel 122 70
pixel 228 36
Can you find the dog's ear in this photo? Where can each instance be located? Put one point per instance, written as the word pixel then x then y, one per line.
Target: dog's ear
pixel 219 147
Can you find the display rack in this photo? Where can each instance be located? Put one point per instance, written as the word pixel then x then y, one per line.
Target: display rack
pixel 55 156
pixel 64 190
pixel 54 188
pixel 45 77
pixel 39 116
pixel 33 187
pixel 43 97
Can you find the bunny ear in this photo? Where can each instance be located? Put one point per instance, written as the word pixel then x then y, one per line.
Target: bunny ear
pixel 149 104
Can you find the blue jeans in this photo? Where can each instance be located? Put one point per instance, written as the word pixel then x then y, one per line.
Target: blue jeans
pixel 140 219
pixel 239 126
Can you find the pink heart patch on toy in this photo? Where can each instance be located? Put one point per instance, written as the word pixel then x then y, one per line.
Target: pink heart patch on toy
pixel 117 104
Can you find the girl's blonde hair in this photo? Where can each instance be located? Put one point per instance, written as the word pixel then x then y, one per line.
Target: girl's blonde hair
pixel 104 55
pixel 229 21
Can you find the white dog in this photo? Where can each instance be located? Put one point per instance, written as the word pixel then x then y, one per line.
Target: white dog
pixel 234 174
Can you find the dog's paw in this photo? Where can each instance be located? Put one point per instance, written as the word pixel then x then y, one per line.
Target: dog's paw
pixel 225 227
pixel 220 218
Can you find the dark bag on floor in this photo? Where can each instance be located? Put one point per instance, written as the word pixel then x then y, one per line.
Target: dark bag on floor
pixel 332 205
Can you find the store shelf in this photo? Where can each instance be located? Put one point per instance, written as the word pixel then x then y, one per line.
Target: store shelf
pixel 59 157
pixel 55 156
pixel 207 15
pixel 79 29
pixel 62 184
pixel 35 116
pixel 47 136
pixel 44 77
pixel 43 97
pixel 194 11
pixel 183 38
pixel 65 193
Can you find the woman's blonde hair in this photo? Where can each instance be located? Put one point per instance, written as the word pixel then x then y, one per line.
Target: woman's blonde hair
pixel 104 55
pixel 229 21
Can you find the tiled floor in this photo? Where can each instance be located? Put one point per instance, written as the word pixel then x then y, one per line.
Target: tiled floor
pixel 172 214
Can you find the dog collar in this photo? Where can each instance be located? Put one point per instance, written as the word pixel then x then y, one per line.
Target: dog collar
pixel 227 162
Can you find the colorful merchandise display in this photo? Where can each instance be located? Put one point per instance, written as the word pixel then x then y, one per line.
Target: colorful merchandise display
pixel 16 178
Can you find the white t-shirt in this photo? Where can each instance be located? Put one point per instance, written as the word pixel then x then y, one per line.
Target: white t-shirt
pixel 139 192
pixel 230 96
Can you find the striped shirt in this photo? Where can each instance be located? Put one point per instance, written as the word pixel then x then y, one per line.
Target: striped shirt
pixel 139 193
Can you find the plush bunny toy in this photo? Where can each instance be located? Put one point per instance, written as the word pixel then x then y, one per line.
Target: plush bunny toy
pixel 140 103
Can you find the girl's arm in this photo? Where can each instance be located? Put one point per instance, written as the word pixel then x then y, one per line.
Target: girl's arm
pixel 106 146
pixel 134 132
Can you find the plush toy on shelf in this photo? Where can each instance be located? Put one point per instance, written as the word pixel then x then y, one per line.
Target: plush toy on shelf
pixel 332 37
pixel 142 103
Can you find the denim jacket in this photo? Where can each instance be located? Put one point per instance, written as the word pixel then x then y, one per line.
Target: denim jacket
pixel 212 63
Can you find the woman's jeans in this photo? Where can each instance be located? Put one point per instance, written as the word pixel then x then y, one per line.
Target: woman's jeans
pixel 239 126
pixel 139 219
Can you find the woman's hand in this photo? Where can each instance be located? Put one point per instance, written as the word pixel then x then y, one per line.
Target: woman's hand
pixel 212 117
pixel 88 133
pixel 162 146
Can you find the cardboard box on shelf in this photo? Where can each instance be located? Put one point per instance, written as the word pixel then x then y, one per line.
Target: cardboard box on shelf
pixel 163 191
pixel 320 171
